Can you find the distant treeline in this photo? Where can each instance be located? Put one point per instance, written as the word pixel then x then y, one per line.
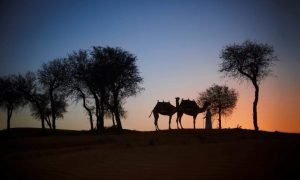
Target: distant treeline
pixel 100 78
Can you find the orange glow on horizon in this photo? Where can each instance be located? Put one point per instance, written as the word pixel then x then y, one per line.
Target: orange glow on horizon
pixel 277 109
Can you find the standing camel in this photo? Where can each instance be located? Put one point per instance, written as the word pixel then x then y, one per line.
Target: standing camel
pixel 190 108
pixel 164 108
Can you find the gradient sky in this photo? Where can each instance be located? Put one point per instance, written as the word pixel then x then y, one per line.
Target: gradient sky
pixel 177 43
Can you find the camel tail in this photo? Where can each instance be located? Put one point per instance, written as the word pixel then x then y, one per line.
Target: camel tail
pixel 150 113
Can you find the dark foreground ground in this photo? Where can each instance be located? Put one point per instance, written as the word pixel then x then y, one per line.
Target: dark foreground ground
pixel 175 154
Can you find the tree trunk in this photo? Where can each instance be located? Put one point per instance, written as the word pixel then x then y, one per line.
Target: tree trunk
pixel 117 113
pixel 97 111
pixel 111 109
pixel 88 110
pixel 220 115
pixel 42 115
pixel 99 122
pixel 255 107
pixel 91 121
pixel 9 114
pixel 47 119
pixel 113 119
pixel 52 110
pixel 43 122
pixel 118 119
pixel 102 113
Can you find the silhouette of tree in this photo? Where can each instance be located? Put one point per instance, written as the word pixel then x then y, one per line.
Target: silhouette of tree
pixel 54 78
pixel 28 85
pixel 60 106
pixel 106 75
pixel 249 61
pixel 80 65
pixel 39 108
pixel 222 100
pixel 48 117
pixel 100 76
pixel 119 73
pixel 110 112
pixel 1 92
pixel 10 98
pixel 39 100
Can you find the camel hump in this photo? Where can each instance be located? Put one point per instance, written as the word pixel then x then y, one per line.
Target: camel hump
pixel 164 105
pixel 186 101
pixel 189 103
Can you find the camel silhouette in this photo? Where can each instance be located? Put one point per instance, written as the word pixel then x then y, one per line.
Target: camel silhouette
pixel 190 108
pixel 164 108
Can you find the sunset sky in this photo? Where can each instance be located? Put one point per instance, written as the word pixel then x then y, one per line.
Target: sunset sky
pixel 177 44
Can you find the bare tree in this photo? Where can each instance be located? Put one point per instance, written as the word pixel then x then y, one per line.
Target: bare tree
pixel 111 114
pixel 39 108
pixel 222 100
pixel 53 76
pixel 249 61
pixel 80 65
pixel 39 99
pixel 10 98
pixel 28 85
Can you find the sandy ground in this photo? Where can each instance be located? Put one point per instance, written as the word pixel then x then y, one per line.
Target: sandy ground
pixel 175 154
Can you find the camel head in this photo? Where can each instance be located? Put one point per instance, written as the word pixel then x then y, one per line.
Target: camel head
pixel 205 105
pixel 177 101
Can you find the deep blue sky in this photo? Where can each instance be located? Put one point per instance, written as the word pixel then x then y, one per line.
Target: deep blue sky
pixel 177 42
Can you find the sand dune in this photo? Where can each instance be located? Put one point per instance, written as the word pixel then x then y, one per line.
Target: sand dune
pixel 175 154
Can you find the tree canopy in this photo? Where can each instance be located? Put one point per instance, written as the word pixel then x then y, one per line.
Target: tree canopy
pixel 10 98
pixel 250 61
pixel 54 77
pixel 222 100
pixel 120 77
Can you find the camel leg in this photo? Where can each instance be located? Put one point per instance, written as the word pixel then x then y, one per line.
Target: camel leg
pixel 194 123
pixel 170 118
pixel 156 116
pixel 194 117
pixel 180 122
pixel 156 126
